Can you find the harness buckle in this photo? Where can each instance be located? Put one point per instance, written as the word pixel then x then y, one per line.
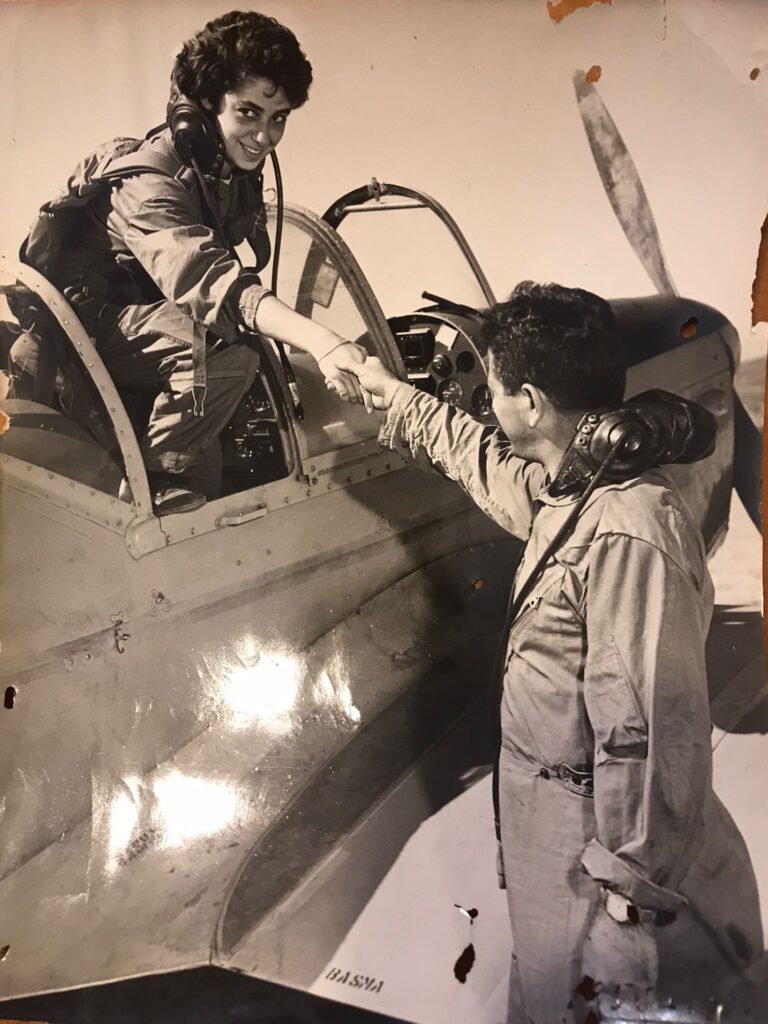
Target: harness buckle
pixel 199 392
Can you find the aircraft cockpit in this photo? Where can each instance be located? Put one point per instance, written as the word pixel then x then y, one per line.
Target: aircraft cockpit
pixel 73 432
pixel 405 286
pixel 429 285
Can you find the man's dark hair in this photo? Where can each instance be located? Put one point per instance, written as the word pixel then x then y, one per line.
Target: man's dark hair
pixel 239 45
pixel 562 340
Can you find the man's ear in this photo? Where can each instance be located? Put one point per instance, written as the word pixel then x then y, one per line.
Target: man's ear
pixel 535 401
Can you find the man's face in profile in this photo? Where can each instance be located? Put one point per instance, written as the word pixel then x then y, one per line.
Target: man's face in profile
pixel 513 411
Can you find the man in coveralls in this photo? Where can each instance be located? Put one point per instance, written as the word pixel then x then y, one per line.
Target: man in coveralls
pixel 621 864
pixel 152 278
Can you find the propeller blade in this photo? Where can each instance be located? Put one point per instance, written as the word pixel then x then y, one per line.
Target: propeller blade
pixel 622 184
pixel 747 460
pixel 625 191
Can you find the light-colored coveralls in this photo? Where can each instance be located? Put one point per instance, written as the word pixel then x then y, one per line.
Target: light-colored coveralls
pixel 604 673
pixel 146 246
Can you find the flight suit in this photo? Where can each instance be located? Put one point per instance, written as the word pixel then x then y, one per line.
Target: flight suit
pixel 154 284
pixel 606 761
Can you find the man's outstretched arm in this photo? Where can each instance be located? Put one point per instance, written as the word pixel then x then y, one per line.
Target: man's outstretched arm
pixel 477 457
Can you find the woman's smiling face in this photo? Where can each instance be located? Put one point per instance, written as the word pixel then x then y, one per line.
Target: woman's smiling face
pixel 252 120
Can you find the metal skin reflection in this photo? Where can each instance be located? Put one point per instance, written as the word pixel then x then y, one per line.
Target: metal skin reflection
pixel 171 810
pixel 263 690
pixel 168 809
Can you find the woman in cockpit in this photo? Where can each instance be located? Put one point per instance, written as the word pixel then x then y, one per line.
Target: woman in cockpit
pixel 142 242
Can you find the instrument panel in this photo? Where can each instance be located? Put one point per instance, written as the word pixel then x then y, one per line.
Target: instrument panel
pixel 442 359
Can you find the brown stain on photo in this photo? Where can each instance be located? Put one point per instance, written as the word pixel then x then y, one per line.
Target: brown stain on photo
pixel 760 315
pixel 689 328
pixel 5 422
pixel 760 283
pixel 588 988
pixel 594 73
pixel 466 960
pixel 562 8
pixel 763 506
pixel 463 965
pixel 754 73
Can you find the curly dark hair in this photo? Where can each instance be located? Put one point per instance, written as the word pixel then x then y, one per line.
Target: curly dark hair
pixel 562 340
pixel 238 45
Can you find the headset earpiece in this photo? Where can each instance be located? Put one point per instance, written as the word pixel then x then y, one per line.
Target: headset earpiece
pixel 655 428
pixel 195 135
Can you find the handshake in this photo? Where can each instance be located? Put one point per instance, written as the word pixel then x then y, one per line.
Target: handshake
pixel 357 377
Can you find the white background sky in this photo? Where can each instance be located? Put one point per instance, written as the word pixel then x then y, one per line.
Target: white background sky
pixel 470 100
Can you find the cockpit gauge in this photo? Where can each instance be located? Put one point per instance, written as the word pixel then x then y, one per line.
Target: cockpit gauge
pixel 481 401
pixel 450 391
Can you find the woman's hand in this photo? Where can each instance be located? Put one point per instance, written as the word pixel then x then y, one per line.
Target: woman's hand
pixel 340 368
pixel 337 358
pixel 379 384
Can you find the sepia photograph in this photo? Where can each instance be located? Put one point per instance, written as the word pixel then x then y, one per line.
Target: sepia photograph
pixel 381 629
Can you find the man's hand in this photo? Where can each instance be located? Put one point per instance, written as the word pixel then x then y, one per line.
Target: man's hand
pixel 378 383
pixel 340 369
